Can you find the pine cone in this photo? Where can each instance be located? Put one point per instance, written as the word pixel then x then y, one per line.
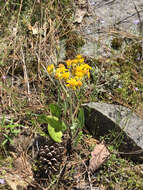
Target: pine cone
pixel 50 157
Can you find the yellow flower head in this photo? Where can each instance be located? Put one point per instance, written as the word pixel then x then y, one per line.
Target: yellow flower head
pixel 62 72
pixel 78 71
pixel 65 75
pixel 78 56
pixel 68 63
pixel 81 60
pixel 79 74
pixel 88 74
pixel 86 66
pixel 74 83
pixel 78 68
pixel 85 69
pixel 58 75
pixel 79 83
pixel 61 69
pixel 75 61
pixel 50 68
pixel 61 65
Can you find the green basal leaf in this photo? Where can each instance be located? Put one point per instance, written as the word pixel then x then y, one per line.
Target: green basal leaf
pixel 81 117
pixel 56 123
pixel 55 127
pixel 55 110
pixel 55 135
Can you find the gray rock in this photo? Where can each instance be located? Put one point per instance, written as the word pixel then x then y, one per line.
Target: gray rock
pixel 107 18
pixel 102 20
pixel 100 118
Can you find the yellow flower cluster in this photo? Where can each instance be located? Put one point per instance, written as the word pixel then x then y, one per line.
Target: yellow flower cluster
pixel 50 68
pixel 73 73
pixel 73 83
pixel 62 72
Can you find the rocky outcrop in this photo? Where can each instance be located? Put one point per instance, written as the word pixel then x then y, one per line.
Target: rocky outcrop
pixel 102 118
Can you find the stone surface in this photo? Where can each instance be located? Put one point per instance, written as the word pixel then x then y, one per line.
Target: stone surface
pixel 105 20
pixel 100 118
pixel 99 21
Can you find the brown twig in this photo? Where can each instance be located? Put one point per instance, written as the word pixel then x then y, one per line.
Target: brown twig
pixel 25 72
pixel 88 174
pixel 119 22
pixel 139 17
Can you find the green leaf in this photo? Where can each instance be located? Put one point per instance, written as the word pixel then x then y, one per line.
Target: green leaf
pixel 56 123
pixel 64 127
pixel 55 127
pixel 15 132
pixel 12 126
pixel 65 107
pixel 55 110
pixel 81 118
pixel 3 120
pixel 6 136
pixel 4 142
pixel 55 135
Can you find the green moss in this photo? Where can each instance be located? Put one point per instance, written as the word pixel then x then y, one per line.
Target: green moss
pixel 133 51
pixel 122 172
pixel 73 42
pixel 117 43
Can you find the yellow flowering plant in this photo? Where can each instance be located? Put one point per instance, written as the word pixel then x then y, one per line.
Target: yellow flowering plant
pixel 71 77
